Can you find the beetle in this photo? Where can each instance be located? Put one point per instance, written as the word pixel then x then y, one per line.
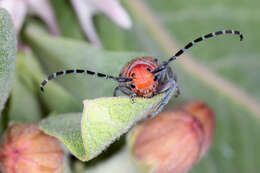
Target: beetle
pixel 145 76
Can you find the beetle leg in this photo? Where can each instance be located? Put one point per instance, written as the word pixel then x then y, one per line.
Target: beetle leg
pixel 161 76
pixel 165 75
pixel 170 74
pixel 178 89
pixel 169 85
pixel 125 91
pixel 116 90
pixel 132 96
pixel 174 76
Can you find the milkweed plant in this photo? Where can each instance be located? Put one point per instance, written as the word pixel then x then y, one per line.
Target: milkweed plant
pixel 132 120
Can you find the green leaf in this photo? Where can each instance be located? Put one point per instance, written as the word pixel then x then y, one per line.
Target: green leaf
pixel 7 55
pixel 7 61
pixel 102 122
pixel 67 128
pixel 24 106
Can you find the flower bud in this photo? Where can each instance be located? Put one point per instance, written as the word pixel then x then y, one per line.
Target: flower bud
pixel 201 111
pixel 26 149
pixel 169 143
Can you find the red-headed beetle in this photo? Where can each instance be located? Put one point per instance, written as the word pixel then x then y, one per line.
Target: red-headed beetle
pixel 145 76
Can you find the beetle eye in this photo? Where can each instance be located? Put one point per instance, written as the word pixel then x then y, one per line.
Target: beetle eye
pixel 155 78
pixel 133 75
pixel 132 86
pixel 148 69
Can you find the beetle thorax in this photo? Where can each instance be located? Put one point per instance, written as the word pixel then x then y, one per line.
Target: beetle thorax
pixel 140 70
pixel 142 76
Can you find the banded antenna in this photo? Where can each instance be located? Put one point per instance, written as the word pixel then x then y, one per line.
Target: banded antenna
pixel 74 71
pixel 192 43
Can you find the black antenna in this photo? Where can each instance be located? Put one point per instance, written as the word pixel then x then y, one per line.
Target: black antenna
pixel 74 71
pixel 192 43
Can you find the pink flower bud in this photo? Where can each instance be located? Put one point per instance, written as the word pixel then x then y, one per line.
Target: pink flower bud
pixel 202 111
pixel 169 143
pixel 26 149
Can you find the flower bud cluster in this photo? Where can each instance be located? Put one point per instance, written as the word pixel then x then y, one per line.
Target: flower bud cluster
pixel 174 140
pixel 26 149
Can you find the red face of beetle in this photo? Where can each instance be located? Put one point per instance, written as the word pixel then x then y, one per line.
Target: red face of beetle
pixel 140 70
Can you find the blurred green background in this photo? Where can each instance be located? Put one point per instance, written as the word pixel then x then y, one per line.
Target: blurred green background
pixel 236 144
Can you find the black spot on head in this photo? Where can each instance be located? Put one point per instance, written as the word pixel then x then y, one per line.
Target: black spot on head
pixel 148 69
pixel 132 85
pixel 155 78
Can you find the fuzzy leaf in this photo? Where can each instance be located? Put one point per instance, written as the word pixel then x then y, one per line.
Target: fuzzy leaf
pixel 67 128
pixel 24 105
pixel 103 121
pixel 7 55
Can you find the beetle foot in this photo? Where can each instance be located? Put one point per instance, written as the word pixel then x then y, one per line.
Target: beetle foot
pixel 132 97
pixel 177 92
